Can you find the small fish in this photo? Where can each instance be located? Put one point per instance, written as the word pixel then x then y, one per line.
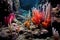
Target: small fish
pixel 27 23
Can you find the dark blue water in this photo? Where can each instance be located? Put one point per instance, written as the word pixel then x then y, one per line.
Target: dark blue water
pixel 28 4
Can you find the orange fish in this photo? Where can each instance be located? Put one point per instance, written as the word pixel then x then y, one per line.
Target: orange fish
pixel 27 23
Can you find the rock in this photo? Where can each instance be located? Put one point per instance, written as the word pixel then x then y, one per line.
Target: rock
pixel 44 31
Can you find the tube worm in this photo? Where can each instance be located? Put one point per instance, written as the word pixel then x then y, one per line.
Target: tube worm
pixel 10 18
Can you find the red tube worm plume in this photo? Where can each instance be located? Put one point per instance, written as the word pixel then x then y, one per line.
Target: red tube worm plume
pixel 47 22
pixel 10 18
pixel 36 17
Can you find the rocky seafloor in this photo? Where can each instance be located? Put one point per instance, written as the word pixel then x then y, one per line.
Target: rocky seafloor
pixel 23 35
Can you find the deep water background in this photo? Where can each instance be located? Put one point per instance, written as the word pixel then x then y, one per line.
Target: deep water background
pixel 28 4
